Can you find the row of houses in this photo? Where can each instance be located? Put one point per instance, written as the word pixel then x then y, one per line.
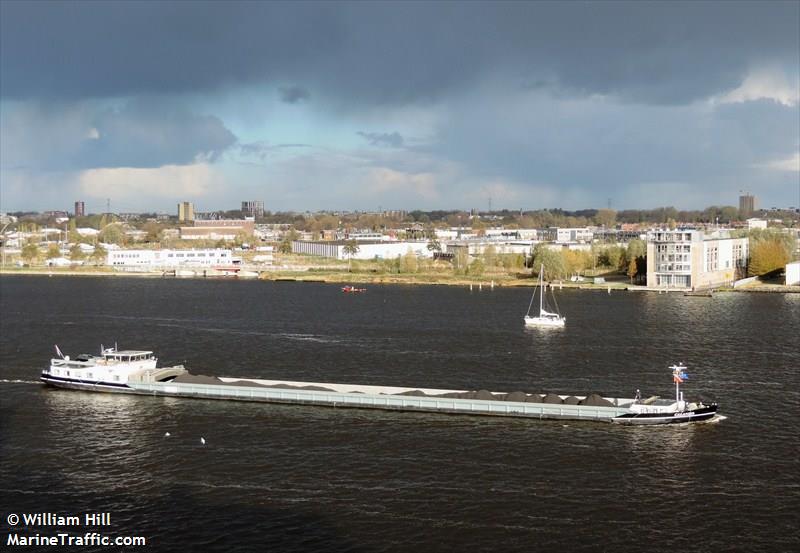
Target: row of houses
pixel 676 258
pixel 683 258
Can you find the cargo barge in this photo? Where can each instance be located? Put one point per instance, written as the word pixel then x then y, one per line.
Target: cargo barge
pixel 135 372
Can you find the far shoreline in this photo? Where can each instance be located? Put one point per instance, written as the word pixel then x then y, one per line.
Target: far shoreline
pixel 393 279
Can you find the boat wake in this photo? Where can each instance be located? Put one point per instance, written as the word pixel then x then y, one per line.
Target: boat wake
pixel 18 381
pixel 309 338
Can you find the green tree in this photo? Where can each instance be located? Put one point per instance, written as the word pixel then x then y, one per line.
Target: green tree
pixel 514 261
pixel 460 261
pixel 606 217
pixel 112 234
pixel 53 251
pixel 99 255
pixel 409 262
pixel 729 213
pixel 490 256
pixel 552 260
pixel 636 248
pixel 73 237
pixel 241 239
pixel 574 261
pixel 153 231
pixel 767 256
pixel 611 257
pixel 350 249
pixel 769 250
pixel 476 268
pixel 76 253
pixel 286 244
pixel 391 265
pixel 30 253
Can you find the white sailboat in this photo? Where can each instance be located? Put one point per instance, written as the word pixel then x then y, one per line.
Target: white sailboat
pixel 545 318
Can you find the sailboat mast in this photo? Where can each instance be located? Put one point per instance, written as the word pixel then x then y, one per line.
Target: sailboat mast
pixel 541 289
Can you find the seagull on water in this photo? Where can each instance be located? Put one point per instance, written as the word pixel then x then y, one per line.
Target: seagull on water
pixel 202 440
pixel 167 434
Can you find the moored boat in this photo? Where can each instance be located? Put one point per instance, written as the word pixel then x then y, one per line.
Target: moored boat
pixel 352 289
pixel 545 318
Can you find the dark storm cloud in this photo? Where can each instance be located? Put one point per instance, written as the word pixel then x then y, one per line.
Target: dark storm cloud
pixel 385 139
pixel 140 133
pixel 390 52
pixel 293 94
pixel 149 134
pixel 601 150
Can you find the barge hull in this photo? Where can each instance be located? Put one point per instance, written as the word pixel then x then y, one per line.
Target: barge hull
pixel 87 385
pixel 382 401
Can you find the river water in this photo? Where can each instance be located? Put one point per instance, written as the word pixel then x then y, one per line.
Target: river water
pixel 292 478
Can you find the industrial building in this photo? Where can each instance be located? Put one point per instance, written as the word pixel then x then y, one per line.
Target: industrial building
pixel 572 235
pixel 169 258
pixel 219 229
pixel 366 250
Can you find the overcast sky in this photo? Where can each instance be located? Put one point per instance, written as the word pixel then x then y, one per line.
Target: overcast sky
pixel 447 105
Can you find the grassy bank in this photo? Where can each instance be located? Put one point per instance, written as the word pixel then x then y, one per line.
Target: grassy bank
pixel 339 275
pixel 333 275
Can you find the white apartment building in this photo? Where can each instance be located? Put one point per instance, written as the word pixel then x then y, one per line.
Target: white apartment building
pixel 169 258
pixel 690 260
pixel 793 273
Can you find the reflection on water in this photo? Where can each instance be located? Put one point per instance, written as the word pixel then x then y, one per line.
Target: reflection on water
pixel 101 433
pixel 667 440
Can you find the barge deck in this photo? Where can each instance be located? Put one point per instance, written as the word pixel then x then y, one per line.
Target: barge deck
pixel 385 398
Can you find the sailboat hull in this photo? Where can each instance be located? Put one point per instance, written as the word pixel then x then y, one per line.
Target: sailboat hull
pixel 544 321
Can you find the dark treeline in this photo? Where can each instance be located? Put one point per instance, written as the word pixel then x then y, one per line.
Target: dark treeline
pixel 542 218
